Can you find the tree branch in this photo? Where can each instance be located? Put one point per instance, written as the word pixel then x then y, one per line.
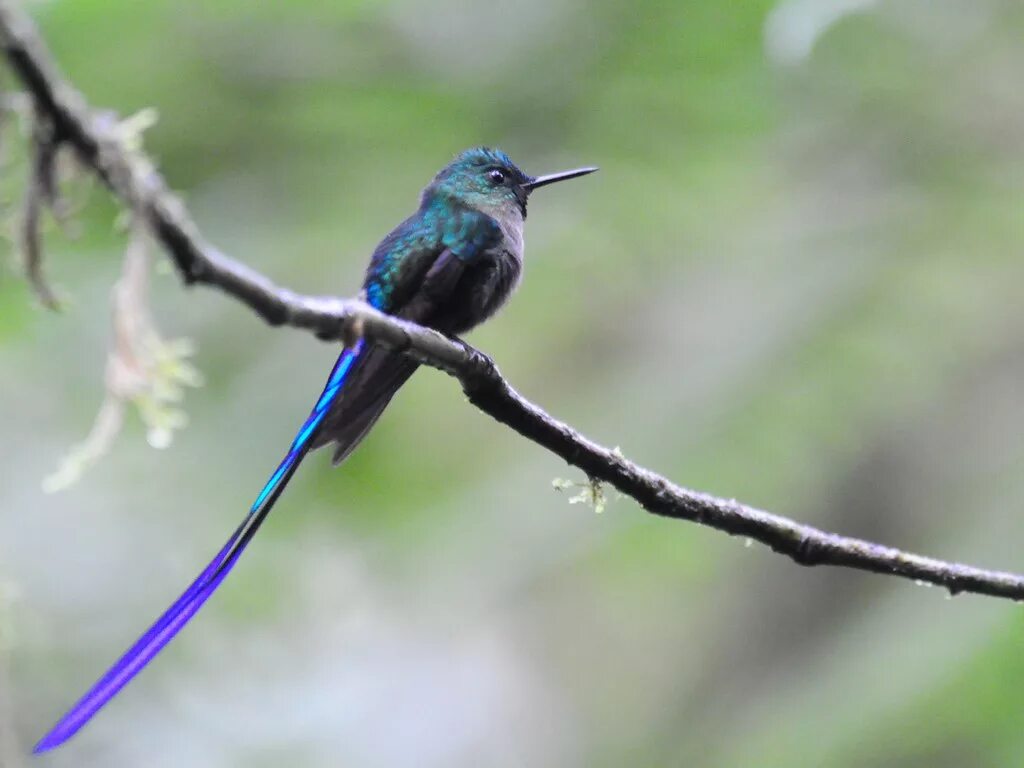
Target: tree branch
pixel 133 178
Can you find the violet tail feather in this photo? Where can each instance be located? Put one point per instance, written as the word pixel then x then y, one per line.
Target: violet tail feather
pixel 185 607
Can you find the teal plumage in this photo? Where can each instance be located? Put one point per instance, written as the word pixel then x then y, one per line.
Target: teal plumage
pixel 404 256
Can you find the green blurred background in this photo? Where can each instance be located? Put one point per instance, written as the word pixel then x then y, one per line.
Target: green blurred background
pixel 797 281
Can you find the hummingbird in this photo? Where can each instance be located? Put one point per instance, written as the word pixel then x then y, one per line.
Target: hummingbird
pixel 450 266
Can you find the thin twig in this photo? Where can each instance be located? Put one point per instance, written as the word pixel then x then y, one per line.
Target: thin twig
pixel 132 177
pixel 39 190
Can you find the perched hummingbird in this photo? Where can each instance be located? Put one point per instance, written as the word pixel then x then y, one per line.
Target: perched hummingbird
pixel 449 266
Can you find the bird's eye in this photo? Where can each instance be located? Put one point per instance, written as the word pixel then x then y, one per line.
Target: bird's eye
pixel 496 175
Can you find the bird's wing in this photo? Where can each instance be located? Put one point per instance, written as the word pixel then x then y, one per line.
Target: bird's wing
pixel 419 286
pixel 380 372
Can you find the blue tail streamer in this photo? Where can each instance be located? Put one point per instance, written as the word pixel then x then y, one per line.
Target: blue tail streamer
pixel 186 606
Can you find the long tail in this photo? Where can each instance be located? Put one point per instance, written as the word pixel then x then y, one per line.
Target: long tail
pixel 186 606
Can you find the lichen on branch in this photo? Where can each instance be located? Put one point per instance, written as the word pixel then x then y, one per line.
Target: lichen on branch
pixel 143 369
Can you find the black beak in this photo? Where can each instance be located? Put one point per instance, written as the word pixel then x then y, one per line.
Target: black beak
pixel 551 178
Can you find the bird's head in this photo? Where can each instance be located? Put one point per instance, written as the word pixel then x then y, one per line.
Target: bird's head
pixel 487 180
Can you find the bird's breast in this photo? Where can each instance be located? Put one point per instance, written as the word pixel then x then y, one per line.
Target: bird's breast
pixel 512 239
pixel 483 288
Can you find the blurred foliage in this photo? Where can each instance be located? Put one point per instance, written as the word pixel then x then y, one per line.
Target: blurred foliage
pixel 796 281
